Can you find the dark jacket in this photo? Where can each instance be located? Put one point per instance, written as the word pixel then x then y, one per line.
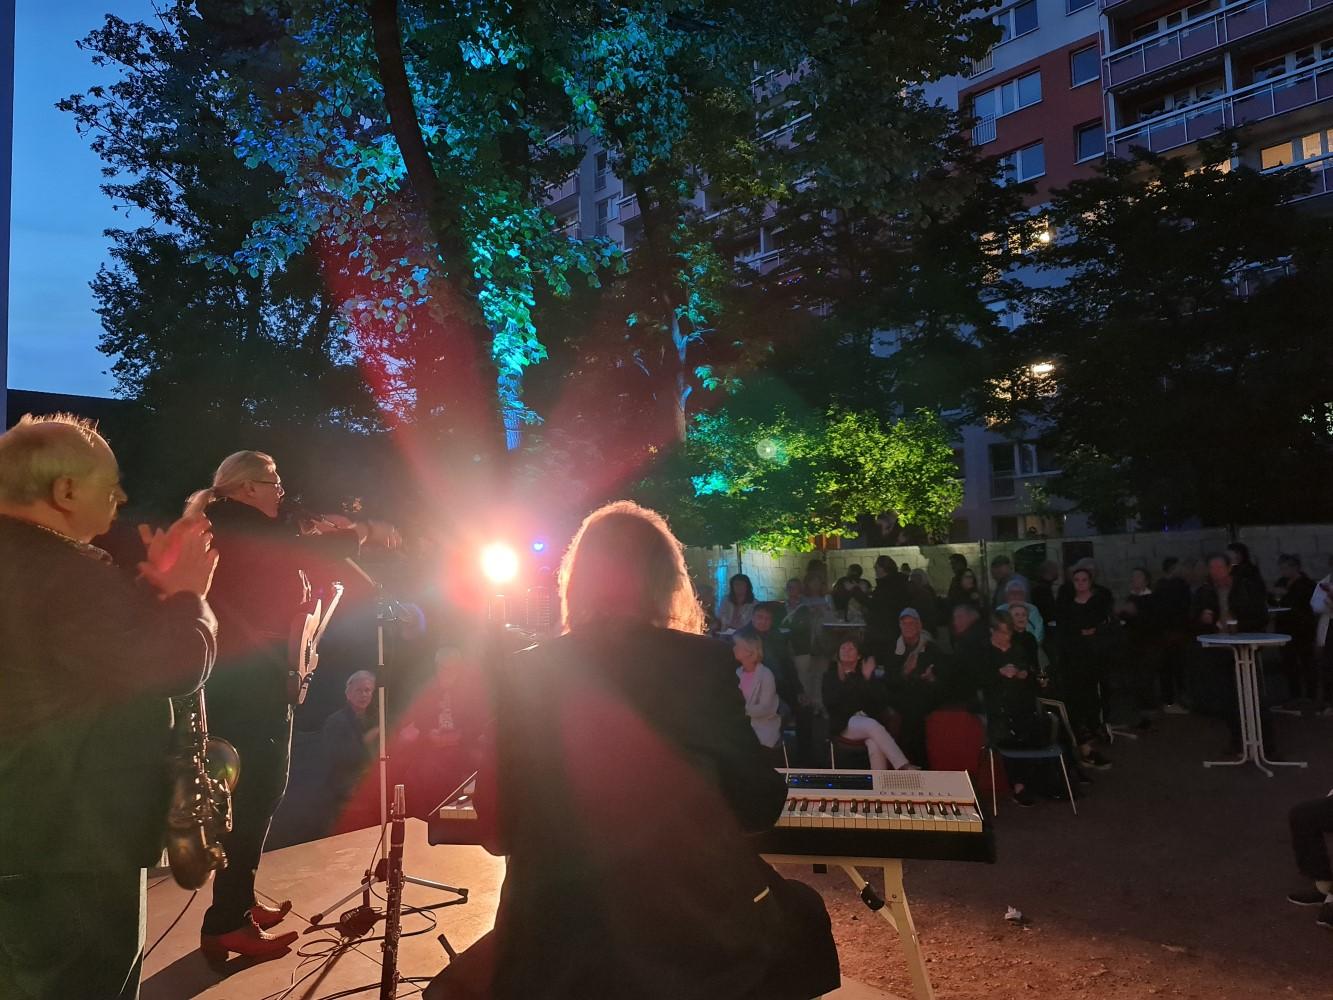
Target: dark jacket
pixel 88 659
pixel 1299 621
pixel 257 592
pixel 622 779
pixel 887 601
pixel 1173 599
pixel 1246 602
pixel 844 697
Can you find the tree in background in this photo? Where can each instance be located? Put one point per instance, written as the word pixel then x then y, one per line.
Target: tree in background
pixel 1189 345
pixel 211 357
pixel 780 481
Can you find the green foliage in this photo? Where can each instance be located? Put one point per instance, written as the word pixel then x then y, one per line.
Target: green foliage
pixel 1189 344
pixel 777 483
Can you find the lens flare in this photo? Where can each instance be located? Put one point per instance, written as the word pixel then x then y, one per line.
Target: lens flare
pixel 499 563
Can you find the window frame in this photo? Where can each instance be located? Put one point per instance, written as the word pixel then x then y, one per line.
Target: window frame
pixel 1096 62
pixel 1082 5
pixel 1006 20
pixel 1097 123
pixel 1016 155
pixel 997 89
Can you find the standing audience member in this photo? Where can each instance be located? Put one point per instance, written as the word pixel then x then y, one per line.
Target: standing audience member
pixel 1002 572
pixel 887 600
pixel 915 680
pixel 89 657
pixel 1295 592
pixel 1024 639
pixel 957 567
pixel 965 590
pixel 807 638
pixel 1321 603
pixel 1016 595
pixel 759 688
pixel 738 608
pixel 795 596
pixel 1085 618
pixel 1243 566
pixel 968 635
pixel 851 594
pixel 1172 599
pixel 855 698
pixel 1140 618
pixel 1228 602
pixel 921 595
pixel 1044 588
pixel 777 656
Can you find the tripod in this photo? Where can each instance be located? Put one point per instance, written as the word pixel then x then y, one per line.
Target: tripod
pixel 388 863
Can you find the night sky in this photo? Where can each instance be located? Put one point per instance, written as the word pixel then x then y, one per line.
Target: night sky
pixel 58 211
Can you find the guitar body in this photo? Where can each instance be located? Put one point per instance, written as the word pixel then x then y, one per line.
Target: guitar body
pixel 302 656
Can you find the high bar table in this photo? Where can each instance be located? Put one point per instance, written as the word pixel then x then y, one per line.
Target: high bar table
pixel 1245 648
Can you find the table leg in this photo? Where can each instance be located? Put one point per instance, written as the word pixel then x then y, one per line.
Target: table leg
pixel 899 916
pixel 1259 757
pixel 1242 700
pixel 1247 688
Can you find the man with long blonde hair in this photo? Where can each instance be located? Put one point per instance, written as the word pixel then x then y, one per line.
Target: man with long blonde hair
pixel 623 780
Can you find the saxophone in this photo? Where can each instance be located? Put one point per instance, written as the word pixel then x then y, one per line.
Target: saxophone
pixel 203 774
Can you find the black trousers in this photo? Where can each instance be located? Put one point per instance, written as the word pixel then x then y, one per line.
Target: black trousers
pixel 265 761
pixel 72 936
pixel 1310 823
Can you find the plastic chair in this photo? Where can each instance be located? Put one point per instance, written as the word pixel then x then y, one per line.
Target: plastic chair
pixel 1037 753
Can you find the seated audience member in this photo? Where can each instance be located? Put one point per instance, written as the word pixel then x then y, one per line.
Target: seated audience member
pixel 1228 602
pixel 347 744
pixel 778 658
pixel 967 632
pixel 1002 572
pixel 1016 595
pixel 737 609
pixel 855 698
pixel 1295 591
pixel 435 748
pixel 915 681
pixel 708 601
pixel 760 689
pixel 1014 716
pixel 1311 822
pixel 1025 641
pixel 795 596
pixel 851 594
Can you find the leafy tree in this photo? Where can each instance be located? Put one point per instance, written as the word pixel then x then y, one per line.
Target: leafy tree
pixel 778 482
pixel 1188 343
pixel 210 357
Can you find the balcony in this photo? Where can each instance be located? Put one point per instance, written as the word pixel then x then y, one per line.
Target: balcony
pixel 629 209
pixel 1321 183
pixel 983 132
pixel 1243 106
pixel 983 65
pixel 1200 36
pixel 557 193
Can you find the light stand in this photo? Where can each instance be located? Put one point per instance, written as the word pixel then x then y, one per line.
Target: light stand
pixel 388 866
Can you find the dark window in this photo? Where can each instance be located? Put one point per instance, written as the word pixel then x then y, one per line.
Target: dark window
pixel 1005 529
pixel 1073 5
pixel 1089 141
pixel 1083 66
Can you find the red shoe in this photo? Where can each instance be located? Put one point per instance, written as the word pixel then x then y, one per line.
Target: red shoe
pixel 266 916
pixel 248 942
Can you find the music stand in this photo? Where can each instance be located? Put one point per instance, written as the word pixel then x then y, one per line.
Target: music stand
pixel 387 863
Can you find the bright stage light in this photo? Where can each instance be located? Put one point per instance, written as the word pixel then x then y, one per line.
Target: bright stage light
pixel 499 563
pixel 539 546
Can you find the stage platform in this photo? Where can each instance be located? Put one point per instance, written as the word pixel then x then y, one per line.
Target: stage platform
pixel 313 876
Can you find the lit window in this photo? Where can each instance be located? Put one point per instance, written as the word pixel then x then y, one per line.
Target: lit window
pixel 1089 141
pixel 1083 66
pixel 1310 147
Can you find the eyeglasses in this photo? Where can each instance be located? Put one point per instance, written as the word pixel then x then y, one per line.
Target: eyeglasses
pixel 276 483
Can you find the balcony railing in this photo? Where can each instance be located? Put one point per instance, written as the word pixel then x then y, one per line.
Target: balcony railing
pixel 1322 169
pixel 1201 35
pixel 566 189
pixel 1288 92
pixel 983 132
pixel 629 208
pixel 983 65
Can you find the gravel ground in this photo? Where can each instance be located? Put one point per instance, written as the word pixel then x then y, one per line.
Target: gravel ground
pixel 1171 882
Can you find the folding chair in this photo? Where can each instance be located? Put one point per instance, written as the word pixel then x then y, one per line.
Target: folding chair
pixel 1040 753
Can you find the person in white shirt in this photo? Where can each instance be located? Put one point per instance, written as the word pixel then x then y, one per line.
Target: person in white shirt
pixel 759 688
pixel 738 608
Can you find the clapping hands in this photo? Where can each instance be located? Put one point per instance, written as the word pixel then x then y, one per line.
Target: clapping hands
pixel 180 559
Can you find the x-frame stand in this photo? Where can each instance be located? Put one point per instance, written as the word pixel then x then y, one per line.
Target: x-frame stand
pixel 892 906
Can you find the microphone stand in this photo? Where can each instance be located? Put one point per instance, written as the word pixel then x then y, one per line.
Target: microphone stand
pixel 387 866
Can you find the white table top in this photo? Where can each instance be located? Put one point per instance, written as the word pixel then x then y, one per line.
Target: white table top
pixel 1245 639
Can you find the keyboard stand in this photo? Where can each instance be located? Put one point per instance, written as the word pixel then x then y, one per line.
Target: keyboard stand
pixel 893 907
